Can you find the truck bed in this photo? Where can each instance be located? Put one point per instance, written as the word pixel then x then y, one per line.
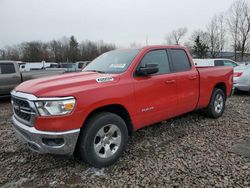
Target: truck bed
pixel 209 78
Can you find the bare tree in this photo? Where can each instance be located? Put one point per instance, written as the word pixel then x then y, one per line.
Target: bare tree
pixel 222 31
pixel 216 33
pixel 234 14
pixel 13 52
pixel 244 27
pixel 2 54
pixel 56 49
pixel 213 34
pixel 90 50
pixel 61 50
pixel 74 51
pixel 176 36
pixel 32 51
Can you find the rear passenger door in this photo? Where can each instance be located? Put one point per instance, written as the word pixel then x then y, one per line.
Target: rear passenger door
pixel 187 81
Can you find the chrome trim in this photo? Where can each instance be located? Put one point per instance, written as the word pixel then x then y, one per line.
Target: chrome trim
pixel 33 137
pixel 31 97
pixel 32 106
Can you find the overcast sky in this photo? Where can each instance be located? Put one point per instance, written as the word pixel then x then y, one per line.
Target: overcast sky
pixel 114 21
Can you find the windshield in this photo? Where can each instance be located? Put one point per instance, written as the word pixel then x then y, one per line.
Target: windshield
pixel 116 61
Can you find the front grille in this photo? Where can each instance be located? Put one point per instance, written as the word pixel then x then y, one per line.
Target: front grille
pixel 21 102
pixel 23 111
pixel 22 115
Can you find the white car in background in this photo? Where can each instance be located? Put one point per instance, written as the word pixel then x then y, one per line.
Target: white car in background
pixel 241 71
pixel 242 78
pixel 214 62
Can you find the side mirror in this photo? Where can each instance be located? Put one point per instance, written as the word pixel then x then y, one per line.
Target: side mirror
pixel 147 70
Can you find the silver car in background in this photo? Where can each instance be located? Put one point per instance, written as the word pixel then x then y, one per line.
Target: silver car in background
pixel 242 78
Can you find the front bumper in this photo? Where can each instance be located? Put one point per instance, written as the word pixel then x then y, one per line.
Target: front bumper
pixel 62 143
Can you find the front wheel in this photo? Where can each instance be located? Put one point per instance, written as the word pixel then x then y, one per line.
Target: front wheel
pixel 216 106
pixel 103 139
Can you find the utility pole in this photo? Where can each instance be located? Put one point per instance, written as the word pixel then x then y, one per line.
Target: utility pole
pixel 146 40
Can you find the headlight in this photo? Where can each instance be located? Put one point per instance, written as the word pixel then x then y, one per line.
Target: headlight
pixel 55 107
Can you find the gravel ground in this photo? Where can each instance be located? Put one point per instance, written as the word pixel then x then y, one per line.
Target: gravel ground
pixel 188 151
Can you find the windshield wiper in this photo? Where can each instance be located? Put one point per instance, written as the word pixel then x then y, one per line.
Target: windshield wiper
pixel 102 72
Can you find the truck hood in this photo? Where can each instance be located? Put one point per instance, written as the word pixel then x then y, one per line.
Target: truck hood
pixel 66 84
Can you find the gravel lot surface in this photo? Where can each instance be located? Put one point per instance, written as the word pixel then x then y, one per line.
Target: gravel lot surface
pixel 188 151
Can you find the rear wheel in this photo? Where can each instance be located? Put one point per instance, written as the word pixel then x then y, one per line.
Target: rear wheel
pixel 216 106
pixel 103 139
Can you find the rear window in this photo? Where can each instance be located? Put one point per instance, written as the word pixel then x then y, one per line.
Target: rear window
pixel 180 60
pixel 219 63
pixel 7 68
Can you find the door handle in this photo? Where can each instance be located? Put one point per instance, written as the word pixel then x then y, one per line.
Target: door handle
pixel 170 81
pixel 192 77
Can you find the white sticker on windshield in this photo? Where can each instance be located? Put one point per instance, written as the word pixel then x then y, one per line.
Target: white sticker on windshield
pixel 118 66
pixel 104 79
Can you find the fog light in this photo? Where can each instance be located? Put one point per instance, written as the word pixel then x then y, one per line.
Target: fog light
pixel 53 141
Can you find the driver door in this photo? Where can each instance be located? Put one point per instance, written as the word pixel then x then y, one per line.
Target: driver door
pixel 155 94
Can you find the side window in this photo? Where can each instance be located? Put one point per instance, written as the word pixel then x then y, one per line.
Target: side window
pixel 218 63
pixel 7 68
pixel 230 63
pixel 80 65
pixel 180 60
pixel 158 57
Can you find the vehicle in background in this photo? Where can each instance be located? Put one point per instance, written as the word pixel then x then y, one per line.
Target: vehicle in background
pixel 91 113
pixel 247 63
pixel 82 64
pixel 11 76
pixel 28 66
pixel 21 65
pixel 53 65
pixel 214 62
pixel 242 78
pixel 69 67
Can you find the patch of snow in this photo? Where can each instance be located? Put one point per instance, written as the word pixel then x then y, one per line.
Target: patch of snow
pixel 94 172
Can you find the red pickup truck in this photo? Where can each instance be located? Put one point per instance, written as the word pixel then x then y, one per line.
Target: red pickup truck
pixel 91 113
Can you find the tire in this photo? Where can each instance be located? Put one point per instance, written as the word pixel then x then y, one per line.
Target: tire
pixel 103 139
pixel 216 105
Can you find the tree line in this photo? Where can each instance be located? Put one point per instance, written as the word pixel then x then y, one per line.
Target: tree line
pixel 66 49
pixel 230 28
